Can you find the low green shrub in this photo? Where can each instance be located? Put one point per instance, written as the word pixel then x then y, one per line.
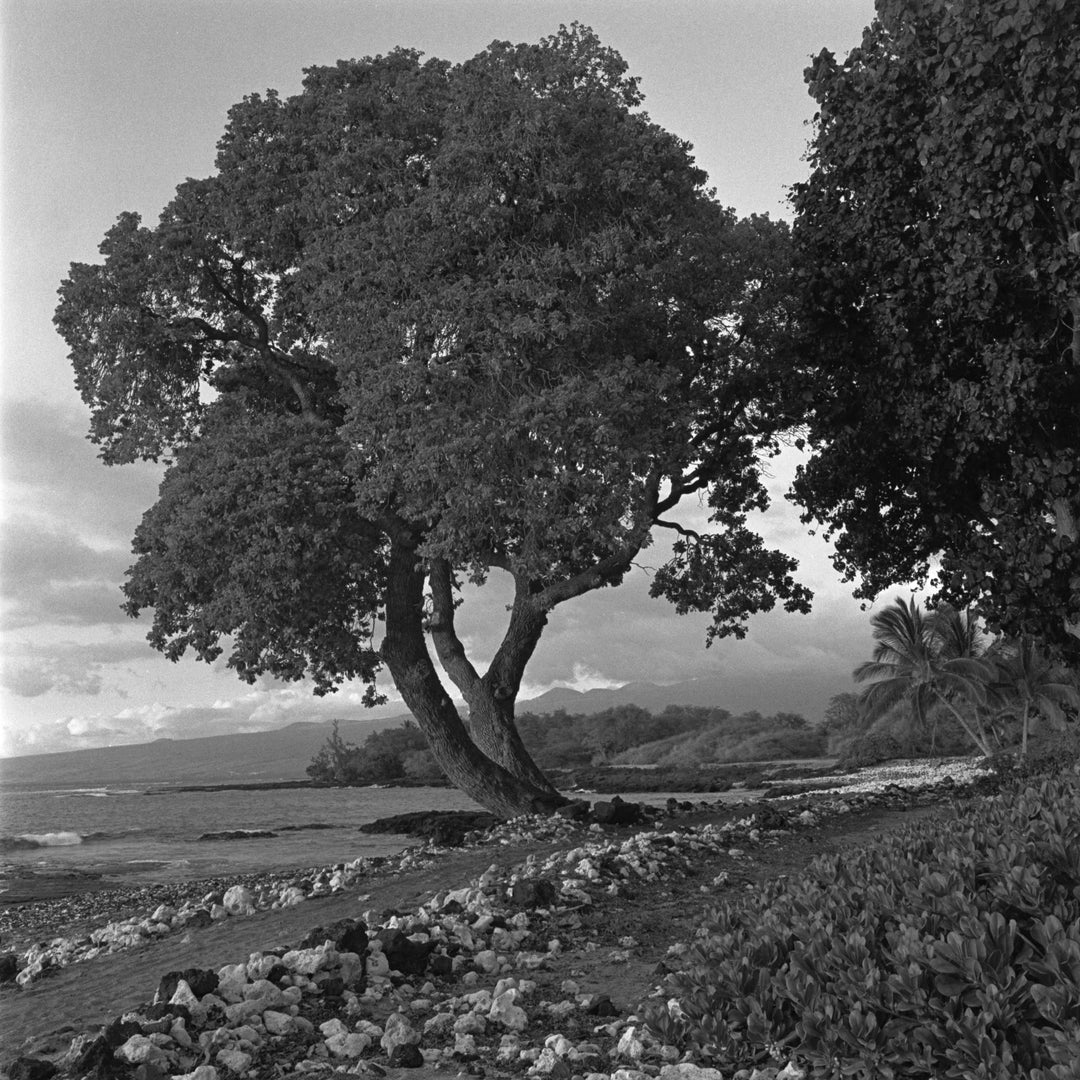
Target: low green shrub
pixel 950 950
pixel 1048 753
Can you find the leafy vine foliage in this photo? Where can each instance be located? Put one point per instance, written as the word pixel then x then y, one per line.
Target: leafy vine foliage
pixel 424 322
pixel 938 249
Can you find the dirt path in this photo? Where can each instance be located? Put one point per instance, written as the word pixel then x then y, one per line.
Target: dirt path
pixel 43 1019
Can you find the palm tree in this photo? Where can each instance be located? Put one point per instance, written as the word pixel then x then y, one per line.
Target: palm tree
pixel 927 660
pixel 1027 683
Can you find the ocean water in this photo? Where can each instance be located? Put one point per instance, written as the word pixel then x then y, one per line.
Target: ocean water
pixel 142 832
pixel 147 833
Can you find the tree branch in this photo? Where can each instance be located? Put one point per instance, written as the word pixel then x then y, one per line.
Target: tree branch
pixel 448 645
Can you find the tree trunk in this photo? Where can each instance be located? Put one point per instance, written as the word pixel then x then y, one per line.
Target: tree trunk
pixel 414 675
pixel 491 698
pixel 979 738
pixel 1024 728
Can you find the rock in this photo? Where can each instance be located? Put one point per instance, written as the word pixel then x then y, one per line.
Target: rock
pixel 792 1071
pixel 630 1045
pixel 350 1044
pixel 402 953
pixel 446 827
pixel 486 960
pixel 31 1068
pixel 9 966
pixel 533 893
pixel 575 810
pixel 203 1072
pixel 278 1023
pixel 687 1070
pixel 599 1005
pixel 348 935
pixel 139 1048
pixel 617 812
pixel 236 1060
pixel 398 1031
pixel 200 980
pixel 406 1056
pixel 239 900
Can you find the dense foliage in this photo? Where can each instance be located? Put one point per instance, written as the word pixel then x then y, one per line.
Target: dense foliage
pixel 680 736
pixel 938 249
pixel 424 323
pixel 384 756
pixel 950 949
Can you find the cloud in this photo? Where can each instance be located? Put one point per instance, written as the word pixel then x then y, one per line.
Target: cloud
pixel 50 469
pixel 63 668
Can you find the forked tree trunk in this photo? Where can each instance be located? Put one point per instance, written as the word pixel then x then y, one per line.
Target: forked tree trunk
pixel 491 698
pixel 405 652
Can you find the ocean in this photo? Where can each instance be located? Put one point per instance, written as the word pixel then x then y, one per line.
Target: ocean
pixel 142 833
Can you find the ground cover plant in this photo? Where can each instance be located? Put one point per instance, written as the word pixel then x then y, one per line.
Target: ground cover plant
pixel 950 949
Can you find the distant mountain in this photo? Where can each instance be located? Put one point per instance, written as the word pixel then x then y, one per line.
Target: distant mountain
pixel 804 694
pixel 285 753
pixel 252 757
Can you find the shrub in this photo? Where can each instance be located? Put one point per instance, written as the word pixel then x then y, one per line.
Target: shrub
pixel 869 749
pixel 949 949
pixel 1049 753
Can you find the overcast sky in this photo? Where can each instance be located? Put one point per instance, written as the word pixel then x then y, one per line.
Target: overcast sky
pixel 107 106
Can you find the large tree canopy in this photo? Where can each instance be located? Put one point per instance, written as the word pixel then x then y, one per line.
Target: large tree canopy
pixel 938 246
pixel 427 322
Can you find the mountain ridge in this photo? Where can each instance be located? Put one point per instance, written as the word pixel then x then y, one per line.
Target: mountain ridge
pixel 284 753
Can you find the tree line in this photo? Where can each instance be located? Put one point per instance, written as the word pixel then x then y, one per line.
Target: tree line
pixel 625 734
pixel 488 318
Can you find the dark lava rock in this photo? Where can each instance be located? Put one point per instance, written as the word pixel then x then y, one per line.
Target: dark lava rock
pixel 198 918
pixel 9 966
pixel 445 827
pixel 575 810
pixel 768 817
pixel 406 1056
pixel 332 986
pixel 408 957
pixel 533 893
pixel 348 935
pixel 201 980
pixel 160 1009
pixel 440 964
pixel 600 1005
pixel 239 834
pixel 617 812
pixel 30 1068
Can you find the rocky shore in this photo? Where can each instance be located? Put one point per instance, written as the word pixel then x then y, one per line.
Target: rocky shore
pixel 487 976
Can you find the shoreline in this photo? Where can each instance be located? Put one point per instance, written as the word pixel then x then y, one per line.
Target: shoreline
pixel 615 888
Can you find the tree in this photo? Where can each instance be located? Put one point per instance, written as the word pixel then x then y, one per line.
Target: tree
pixel 336 761
pixel 1026 683
pixel 425 323
pixel 938 249
pixel 916 659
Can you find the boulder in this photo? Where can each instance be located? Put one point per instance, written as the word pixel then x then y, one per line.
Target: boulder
pixel 533 893
pixel 31 1068
pixel 616 812
pixel 201 981
pixel 9 966
pixel 406 1056
pixel 348 935
pixel 402 954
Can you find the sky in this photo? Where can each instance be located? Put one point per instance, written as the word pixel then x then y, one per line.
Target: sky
pixel 107 106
